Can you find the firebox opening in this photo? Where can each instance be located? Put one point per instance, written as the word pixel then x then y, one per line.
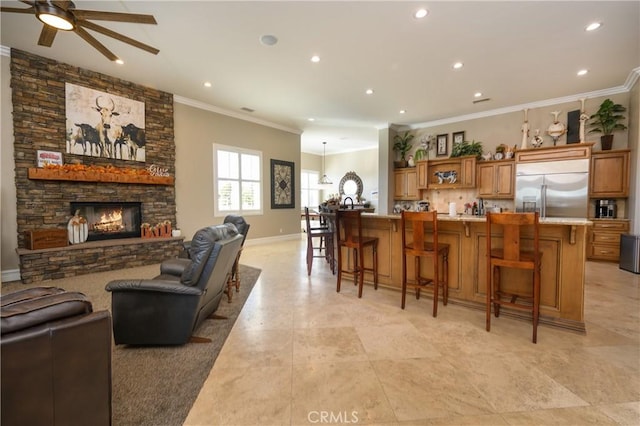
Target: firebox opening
pixel 110 220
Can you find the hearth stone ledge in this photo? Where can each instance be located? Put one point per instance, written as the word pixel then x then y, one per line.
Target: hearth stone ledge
pixel 95 256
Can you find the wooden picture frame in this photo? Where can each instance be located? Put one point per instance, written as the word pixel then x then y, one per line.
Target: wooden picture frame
pixel 457 137
pixel 283 188
pixel 442 145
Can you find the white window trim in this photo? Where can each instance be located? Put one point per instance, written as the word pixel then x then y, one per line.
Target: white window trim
pixel 220 147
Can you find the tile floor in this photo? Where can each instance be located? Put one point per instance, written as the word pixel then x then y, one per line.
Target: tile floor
pixel 300 353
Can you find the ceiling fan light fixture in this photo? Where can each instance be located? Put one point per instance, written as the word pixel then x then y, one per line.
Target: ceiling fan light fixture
pixel 54 16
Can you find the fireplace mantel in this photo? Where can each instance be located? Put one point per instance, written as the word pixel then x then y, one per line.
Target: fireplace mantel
pixel 92 176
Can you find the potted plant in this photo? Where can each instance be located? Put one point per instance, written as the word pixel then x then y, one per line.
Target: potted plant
pixel 467 148
pixel 402 144
pixel 606 120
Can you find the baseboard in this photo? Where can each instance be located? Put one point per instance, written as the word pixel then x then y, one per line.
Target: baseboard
pixel 11 275
pixel 270 240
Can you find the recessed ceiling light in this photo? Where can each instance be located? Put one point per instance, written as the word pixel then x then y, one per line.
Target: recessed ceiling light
pixel 421 13
pixel 369 92
pixel 582 72
pixel 268 40
pixel 402 111
pixel 311 119
pixel 207 84
pixel 457 65
pixel 119 61
pixel 477 94
pixel 315 58
pixel 593 26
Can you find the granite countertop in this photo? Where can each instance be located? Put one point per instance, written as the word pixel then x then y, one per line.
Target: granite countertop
pixel 470 218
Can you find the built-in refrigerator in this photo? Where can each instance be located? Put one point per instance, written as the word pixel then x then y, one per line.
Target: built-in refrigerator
pixel 553 188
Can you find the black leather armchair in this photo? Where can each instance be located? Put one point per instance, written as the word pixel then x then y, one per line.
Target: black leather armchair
pixel 56 359
pixel 234 279
pixel 167 309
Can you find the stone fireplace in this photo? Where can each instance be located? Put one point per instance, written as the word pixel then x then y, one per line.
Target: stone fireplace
pixel 110 220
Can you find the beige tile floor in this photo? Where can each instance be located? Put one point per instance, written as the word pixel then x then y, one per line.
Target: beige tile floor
pixel 300 353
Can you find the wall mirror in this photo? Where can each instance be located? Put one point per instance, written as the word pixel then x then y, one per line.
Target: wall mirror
pixel 351 186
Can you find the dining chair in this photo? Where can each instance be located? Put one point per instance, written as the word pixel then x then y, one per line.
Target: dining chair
pixel 325 236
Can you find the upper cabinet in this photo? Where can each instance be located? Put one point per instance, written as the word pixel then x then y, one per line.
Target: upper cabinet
pixel 496 179
pixel 609 174
pixel 459 172
pixel 406 184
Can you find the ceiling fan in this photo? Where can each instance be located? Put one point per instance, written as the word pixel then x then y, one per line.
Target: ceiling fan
pixel 63 15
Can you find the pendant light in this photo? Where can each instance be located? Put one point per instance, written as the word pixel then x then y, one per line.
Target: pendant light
pixel 324 180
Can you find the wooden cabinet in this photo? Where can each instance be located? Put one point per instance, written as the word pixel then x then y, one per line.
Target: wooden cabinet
pixel 406 184
pixel 609 174
pixel 604 239
pixel 463 167
pixel 423 177
pixel 496 179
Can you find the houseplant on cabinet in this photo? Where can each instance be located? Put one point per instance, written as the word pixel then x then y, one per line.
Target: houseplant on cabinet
pixel 606 120
pixel 402 144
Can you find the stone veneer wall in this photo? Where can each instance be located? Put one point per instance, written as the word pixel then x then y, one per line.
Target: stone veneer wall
pixel 38 97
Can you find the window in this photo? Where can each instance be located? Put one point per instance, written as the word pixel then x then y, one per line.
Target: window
pixel 237 180
pixel 309 192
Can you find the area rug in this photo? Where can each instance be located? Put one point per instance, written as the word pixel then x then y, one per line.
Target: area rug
pixel 156 386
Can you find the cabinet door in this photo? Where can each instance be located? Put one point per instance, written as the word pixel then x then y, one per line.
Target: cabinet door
pixel 609 174
pixel 486 173
pixel 413 193
pixel 400 185
pixel 423 178
pixel 504 178
pixel 468 168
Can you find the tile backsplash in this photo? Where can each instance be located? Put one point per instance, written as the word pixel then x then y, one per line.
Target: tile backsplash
pixel 439 200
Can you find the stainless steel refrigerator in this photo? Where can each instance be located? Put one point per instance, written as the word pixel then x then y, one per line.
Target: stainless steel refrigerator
pixel 553 188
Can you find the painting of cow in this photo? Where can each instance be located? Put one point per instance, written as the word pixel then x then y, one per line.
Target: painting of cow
pixel 101 124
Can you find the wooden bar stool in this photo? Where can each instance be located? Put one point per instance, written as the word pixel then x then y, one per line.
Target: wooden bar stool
pixel 325 236
pixel 421 224
pixel 349 235
pixel 512 255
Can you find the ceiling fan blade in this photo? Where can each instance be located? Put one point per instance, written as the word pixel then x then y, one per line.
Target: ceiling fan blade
pixel 17 9
pixel 118 36
pixel 30 3
pixel 47 35
pixel 63 4
pixel 95 43
pixel 114 16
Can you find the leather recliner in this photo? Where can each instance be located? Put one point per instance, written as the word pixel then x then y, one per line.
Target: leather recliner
pixel 56 359
pixel 167 309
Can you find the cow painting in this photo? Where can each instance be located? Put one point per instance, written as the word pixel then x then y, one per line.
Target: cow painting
pixel 104 125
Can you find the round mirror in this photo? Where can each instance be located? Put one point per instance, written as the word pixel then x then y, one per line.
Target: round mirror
pixel 351 186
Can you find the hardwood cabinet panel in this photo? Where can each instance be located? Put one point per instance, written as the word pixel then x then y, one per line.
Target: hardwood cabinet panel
pixel 496 179
pixel 604 239
pixel 609 174
pixel 406 184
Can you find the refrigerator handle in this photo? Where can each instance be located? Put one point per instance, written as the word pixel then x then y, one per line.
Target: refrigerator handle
pixel 543 201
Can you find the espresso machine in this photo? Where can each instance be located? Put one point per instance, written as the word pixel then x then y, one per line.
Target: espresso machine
pixel 606 209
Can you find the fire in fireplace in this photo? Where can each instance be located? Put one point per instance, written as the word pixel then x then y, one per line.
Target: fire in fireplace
pixel 109 220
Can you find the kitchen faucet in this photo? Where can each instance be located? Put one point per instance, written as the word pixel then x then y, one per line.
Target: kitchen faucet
pixel 350 199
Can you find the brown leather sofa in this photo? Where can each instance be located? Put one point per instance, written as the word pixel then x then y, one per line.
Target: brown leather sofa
pixel 55 359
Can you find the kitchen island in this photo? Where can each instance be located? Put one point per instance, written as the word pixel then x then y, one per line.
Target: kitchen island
pixel 562 242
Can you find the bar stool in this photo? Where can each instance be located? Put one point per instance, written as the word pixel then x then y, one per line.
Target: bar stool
pixel 349 236
pixel 325 235
pixel 511 255
pixel 419 248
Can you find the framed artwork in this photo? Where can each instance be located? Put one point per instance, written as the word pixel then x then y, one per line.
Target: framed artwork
pixel 101 124
pixel 283 191
pixel 442 145
pixel 458 137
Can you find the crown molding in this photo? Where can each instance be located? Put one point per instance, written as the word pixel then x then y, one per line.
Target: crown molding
pixel 632 78
pixel 234 114
pixel 5 51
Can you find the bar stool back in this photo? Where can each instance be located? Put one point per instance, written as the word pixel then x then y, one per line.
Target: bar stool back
pixel 423 223
pixel 512 255
pixel 349 235
pixel 325 236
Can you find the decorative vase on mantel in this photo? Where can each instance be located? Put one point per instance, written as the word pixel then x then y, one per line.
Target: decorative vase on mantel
pixel 606 141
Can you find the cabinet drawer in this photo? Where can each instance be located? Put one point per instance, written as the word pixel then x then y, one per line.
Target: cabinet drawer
pixel 611 225
pixel 605 252
pixel 606 237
